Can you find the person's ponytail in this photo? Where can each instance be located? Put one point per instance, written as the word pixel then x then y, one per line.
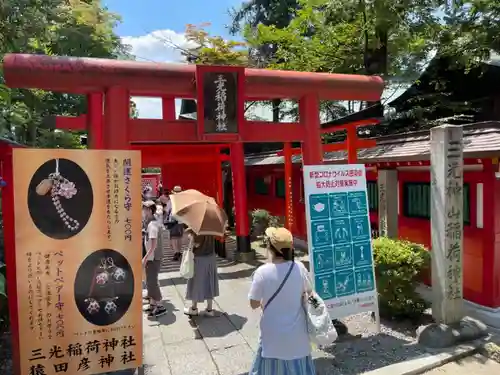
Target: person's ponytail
pixel 286 254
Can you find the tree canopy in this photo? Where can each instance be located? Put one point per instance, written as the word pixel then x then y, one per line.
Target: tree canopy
pixel 213 50
pixel 52 27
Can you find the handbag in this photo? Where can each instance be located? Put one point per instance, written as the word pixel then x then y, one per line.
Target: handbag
pixel 187 264
pixel 319 323
pixel 281 285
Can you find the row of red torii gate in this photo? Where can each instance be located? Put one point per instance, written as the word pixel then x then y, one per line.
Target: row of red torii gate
pixel 194 149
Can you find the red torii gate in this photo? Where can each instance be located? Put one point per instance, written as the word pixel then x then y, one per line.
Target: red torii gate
pixel 109 84
pixel 352 144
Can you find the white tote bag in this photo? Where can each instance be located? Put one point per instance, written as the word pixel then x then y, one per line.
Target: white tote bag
pixel 319 323
pixel 187 264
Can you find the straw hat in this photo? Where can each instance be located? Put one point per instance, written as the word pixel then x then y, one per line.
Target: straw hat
pixel 279 238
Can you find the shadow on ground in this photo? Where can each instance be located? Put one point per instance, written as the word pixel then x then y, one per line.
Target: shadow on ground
pixel 169 318
pixel 219 326
pixel 407 327
pixel 355 355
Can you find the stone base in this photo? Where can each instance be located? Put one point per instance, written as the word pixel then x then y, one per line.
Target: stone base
pixel 488 315
pixel 440 336
pixel 243 244
pixel 246 257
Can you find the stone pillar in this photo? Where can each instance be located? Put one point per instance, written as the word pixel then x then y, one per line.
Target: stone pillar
pixel 388 202
pixel 447 223
pixel 447 228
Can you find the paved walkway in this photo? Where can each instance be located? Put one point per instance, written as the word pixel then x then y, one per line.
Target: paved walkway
pixel 225 344
pixel 473 365
pixel 220 345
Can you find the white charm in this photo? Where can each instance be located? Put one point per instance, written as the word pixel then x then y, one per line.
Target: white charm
pixel 119 274
pixel 102 278
pixel 93 306
pixel 110 307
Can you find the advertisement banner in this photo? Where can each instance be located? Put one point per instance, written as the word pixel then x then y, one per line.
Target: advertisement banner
pixel 78 260
pixel 339 238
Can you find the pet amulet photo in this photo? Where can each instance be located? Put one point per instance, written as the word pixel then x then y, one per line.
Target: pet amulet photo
pixel 58 186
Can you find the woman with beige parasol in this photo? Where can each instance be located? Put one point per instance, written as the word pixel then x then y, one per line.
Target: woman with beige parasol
pixel 205 221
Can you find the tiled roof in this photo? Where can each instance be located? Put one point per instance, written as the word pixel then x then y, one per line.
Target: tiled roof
pixel 480 140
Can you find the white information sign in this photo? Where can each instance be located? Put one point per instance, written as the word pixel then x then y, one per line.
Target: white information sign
pixel 339 238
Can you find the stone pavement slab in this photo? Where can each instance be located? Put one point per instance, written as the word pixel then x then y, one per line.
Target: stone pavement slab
pixel 226 344
pixel 473 365
pixel 233 360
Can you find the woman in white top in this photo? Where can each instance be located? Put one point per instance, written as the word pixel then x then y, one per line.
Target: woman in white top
pixel 278 288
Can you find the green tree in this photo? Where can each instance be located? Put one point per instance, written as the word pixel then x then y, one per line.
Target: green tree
pixel 251 14
pixel 134 113
pixel 213 50
pixel 52 27
pixel 355 37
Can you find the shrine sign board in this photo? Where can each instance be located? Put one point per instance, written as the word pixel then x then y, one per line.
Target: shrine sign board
pixel 77 231
pixel 220 96
pixel 339 238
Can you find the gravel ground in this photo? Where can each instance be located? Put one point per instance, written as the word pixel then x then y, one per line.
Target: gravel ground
pixel 364 350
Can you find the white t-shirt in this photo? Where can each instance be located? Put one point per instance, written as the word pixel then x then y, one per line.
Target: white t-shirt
pixel 283 329
pixel 153 231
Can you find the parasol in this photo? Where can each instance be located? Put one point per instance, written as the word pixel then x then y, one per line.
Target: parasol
pixel 199 212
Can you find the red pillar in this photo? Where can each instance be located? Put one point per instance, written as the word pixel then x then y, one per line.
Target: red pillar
pixel 491 238
pixel 352 146
pixel 287 154
pixel 312 148
pixel 218 179
pixel 168 108
pixel 116 118
pixel 95 118
pixel 240 197
pixel 167 184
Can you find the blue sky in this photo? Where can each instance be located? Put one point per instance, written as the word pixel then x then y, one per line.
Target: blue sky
pixel 150 27
pixel 143 17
